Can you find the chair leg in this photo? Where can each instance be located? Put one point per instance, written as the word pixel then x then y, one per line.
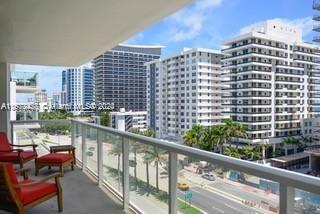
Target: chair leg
pixel 60 205
pixel 21 211
pixel 61 170
pixel 37 170
pixel 72 166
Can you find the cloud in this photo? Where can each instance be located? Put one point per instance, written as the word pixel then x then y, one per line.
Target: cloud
pixel 187 23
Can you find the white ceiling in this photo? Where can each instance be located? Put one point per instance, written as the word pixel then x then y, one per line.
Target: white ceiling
pixel 71 32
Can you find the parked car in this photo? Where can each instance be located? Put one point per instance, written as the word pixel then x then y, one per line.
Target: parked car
pixel 91 149
pixel 183 186
pixel 208 176
pixel 90 154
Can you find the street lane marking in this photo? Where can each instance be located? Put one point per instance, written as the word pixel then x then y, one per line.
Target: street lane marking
pixel 192 190
pixel 231 206
pixel 221 211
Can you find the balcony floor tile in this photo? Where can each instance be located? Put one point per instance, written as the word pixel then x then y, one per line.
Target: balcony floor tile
pixel 80 196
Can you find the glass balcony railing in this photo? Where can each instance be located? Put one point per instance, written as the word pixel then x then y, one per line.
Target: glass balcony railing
pixel 21 78
pixel 154 176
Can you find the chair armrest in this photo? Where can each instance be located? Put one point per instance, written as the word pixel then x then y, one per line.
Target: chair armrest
pixel 12 150
pixel 26 145
pixel 54 175
pixel 23 172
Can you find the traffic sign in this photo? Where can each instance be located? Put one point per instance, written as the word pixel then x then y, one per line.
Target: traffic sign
pixel 188 195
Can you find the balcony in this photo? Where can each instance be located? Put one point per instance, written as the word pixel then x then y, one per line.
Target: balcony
pixel 26 82
pixel 316 28
pixel 316 5
pixel 144 173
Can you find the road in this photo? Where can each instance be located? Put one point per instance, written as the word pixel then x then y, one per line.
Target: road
pixel 211 202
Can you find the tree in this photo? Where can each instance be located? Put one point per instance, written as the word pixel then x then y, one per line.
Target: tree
pixel 157 156
pixel 232 152
pixel 290 141
pixel 234 129
pixel 214 137
pixel 142 148
pixel 264 146
pixel 105 118
pixel 195 136
pixel 117 151
pixel 55 114
pixel 148 133
pixel 250 153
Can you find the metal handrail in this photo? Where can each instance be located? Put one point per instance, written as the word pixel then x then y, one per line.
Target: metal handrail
pixel 289 178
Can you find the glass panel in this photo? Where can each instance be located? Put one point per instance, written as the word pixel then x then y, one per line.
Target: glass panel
pixel 25 78
pixel 92 149
pixel 148 167
pixel 306 202
pixel 78 141
pixel 204 187
pixel 112 161
pixel 44 134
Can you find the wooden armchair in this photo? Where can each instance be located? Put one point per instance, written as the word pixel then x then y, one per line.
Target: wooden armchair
pixel 17 156
pixel 17 196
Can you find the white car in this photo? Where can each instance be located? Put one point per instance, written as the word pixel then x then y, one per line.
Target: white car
pixel 208 176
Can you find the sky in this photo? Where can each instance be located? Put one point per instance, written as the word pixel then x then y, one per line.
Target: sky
pixel 204 23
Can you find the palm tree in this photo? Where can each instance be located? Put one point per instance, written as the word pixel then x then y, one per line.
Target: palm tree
pixel 234 129
pixel 232 152
pixel 117 151
pixel 250 153
pixel 142 148
pixel 290 141
pixel 195 136
pixel 148 133
pixel 156 155
pixel 264 146
pixel 215 136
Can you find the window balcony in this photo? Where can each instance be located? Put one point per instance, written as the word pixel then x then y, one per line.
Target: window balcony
pixel 146 175
pixel 26 82
pixel 316 5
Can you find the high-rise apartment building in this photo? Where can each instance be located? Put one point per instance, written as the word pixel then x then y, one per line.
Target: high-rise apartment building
pixel 126 120
pixel 64 88
pixel 184 90
pixel 56 101
pixel 41 96
pixel 79 88
pixel 273 83
pixel 120 76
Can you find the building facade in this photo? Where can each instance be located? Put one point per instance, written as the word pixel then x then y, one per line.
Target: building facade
pixel 273 81
pixel 41 96
pixel 64 88
pixel 184 90
pixel 23 82
pixel 79 88
pixel 125 121
pixel 120 76
pixel 56 100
